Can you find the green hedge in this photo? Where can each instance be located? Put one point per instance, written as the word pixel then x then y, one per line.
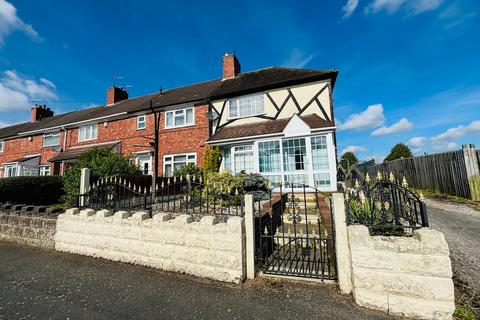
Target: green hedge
pixel 31 190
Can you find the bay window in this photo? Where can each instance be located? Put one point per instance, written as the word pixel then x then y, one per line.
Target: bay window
pixel 246 106
pixel 243 159
pixel 87 132
pixel 179 118
pixel 176 161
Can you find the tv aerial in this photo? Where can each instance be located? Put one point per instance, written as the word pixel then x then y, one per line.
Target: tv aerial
pixel 212 115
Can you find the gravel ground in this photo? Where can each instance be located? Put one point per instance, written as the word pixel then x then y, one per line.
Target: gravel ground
pixel 36 284
pixel 461 226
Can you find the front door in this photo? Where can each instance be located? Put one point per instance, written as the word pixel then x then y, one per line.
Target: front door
pixel 144 162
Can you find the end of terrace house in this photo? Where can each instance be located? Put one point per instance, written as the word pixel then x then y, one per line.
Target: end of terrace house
pixel 274 121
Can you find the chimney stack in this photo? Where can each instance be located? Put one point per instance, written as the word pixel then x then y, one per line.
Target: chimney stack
pixel 231 66
pixel 115 94
pixel 40 111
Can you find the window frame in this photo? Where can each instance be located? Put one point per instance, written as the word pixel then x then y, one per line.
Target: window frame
pixel 172 160
pixel 2 145
pixel 93 125
pixel 237 99
pixel 43 167
pixel 184 111
pixel 51 134
pixel 144 117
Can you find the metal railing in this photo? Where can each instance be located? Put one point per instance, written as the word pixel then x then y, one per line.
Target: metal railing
pixel 176 195
pixel 386 206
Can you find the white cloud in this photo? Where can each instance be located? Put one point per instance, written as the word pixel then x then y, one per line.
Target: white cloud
pixel 401 126
pixel 349 8
pixel 17 92
pixel 417 143
pixel 372 117
pixel 354 149
pixel 445 139
pixel 411 6
pixel 10 22
pixel 298 59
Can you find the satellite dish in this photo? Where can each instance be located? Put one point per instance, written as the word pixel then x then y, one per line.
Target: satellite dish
pixel 212 115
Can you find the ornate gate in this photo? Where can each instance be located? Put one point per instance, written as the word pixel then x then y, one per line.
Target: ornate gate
pixel 295 233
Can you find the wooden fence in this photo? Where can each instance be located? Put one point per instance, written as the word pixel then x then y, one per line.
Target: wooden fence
pixel 454 173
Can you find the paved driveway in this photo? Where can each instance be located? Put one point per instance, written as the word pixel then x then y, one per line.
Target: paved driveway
pixel 36 284
pixel 461 226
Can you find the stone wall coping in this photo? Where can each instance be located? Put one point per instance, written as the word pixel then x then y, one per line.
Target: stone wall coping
pixel 208 223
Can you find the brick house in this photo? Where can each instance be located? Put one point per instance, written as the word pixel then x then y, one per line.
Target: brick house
pixel 275 121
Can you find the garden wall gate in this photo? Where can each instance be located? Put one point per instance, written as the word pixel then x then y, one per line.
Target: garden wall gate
pixel 294 234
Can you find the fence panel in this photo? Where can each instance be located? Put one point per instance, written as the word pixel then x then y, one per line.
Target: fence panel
pixel 444 172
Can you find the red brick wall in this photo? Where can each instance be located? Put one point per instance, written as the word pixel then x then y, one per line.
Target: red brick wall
pixel 171 141
pixel 21 147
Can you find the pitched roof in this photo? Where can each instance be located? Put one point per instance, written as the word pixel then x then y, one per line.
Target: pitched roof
pixel 269 78
pixel 262 79
pixel 266 127
pixel 74 153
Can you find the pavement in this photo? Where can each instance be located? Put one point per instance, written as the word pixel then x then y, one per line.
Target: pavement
pixel 461 226
pixel 39 284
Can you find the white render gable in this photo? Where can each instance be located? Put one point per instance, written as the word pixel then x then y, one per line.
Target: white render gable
pixel 296 127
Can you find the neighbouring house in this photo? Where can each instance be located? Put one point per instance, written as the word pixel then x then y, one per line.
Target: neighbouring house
pixel 274 121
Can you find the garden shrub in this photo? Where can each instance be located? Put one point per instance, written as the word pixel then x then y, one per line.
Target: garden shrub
pixel 188 169
pixel 42 190
pixel 211 162
pixel 102 162
pixel 256 184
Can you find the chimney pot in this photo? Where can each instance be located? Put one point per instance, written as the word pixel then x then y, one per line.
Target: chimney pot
pixel 39 112
pixel 116 94
pixel 231 66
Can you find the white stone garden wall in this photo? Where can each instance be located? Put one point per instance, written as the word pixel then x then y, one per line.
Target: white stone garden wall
pixel 410 276
pixel 205 249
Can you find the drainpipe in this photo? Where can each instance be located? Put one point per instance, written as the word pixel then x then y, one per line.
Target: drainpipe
pixel 156 124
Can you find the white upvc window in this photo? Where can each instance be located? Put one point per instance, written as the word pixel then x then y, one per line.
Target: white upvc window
pixel 51 139
pixel 243 159
pixel 179 118
pixel 88 132
pixel 10 170
pixel 246 106
pixel 1 145
pixel 141 122
pixel 44 170
pixel 176 161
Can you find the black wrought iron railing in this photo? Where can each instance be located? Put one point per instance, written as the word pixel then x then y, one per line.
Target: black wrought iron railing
pixel 294 233
pixel 174 195
pixel 386 207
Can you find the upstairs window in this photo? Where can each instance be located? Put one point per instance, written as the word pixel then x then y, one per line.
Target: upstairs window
pixel 1 146
pixel 87 132
pixel 51 139
pixel 246 106
pixel 141 122
pixel 179 118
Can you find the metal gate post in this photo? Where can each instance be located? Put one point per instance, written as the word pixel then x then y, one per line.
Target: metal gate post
pixel 250 236
pixel 341 243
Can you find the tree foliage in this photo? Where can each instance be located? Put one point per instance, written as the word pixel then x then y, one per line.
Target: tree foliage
pixel 348 159
pixel 399 151
pixel 102 162
pixel 211 162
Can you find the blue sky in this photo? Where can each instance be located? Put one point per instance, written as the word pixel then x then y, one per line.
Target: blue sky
pixel 409 69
